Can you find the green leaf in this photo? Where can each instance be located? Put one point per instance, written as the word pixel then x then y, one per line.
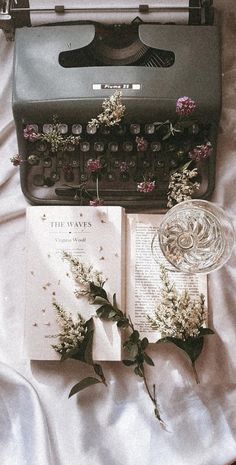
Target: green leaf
pixel 144 343
pixel 148 359
pixel 128 363
pixel 123 323
pixel 88 349
pixel 100 301
pixel 134 336
pixel 98 370
pixel 114 302
pixel 97 291
pixel 138 371
pixel 83 384
pixel 191 346
pixel 206 331
pixel 104 311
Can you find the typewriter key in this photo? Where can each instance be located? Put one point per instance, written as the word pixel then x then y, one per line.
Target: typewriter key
pixel 121 130
pixel 128 146
pixel 47 128
pixel 47 162
pixel 113 146
pixel 75 163
pixel 54 176
pixel 98 146
pixel 132 163
pixel 33 159
pixel 76 129
pixel 62 128
pixel 84 146
pixel 105 130
pixel 149 128
pixel 41 146
pixel 110 177
pixel 134 128
pixel 155 146
pixel 38 180
pixel 91 129
pixel 83 177
pixel 160 163
pixel 173 163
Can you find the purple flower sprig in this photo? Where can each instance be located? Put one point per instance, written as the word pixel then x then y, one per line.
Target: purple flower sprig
pixel 185 106
pixel 30 133
pixel 201 152
pixel 146 186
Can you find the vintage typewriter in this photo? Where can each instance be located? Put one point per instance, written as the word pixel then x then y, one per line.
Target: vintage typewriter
pixel 75 57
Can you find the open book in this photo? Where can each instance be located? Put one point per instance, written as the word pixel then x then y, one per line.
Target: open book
pixel 124 247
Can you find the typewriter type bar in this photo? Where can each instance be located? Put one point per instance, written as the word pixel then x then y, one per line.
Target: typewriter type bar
pixel 15 14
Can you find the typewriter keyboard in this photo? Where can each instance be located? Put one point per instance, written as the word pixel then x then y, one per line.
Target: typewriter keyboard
pixel 115 160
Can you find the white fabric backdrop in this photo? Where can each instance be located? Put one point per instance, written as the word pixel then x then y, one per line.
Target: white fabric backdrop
pixel 115 425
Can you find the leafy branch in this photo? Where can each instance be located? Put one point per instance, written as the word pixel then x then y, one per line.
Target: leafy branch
pixel 135 346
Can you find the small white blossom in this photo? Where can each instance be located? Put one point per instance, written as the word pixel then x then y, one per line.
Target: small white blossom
pixel 84 275
pixel 113 112
pixel 178 315
pixel 72 331
pixel 182 186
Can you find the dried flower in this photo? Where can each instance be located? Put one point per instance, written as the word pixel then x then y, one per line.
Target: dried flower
pixel 94 165
pixel 182 186
pixel 96 202
pixel 113 112
pixel 54 139
pixel 200 152
pixel 141 144
pixel 84 275
pixel 177 314
pixel 30 133
pixel 16 160
pixel 185 106
pixel 72 331
pixel 146 186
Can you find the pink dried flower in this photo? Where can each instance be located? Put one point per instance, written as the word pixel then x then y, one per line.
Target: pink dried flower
pixel 96 202
pixel 94 165
pixel 30 133
pixel 141 144
pixel 16 160
pixel 124 167
pixel 201 152
pixel 146 186
pixel 185 106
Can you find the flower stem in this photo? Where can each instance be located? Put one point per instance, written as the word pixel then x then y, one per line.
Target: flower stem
pixel 153 398
pixel 195 373
pixel 97 188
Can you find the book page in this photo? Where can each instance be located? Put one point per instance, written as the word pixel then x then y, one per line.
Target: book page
pixel 91 234
pixel 143 283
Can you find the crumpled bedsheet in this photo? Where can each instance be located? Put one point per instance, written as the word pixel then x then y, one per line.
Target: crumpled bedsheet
pixel 115 425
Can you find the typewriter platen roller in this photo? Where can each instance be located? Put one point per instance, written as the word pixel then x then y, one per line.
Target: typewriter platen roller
pixel 68 70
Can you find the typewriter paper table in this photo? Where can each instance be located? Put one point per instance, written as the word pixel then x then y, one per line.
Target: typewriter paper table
pixel 115 426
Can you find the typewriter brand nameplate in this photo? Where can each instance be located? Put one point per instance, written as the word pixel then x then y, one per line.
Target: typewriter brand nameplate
pixel 117 86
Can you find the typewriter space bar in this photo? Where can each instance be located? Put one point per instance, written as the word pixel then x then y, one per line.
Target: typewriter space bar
pixel 66 191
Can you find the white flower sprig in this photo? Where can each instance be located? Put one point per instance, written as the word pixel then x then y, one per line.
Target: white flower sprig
pixel 113 112
pixel 182 186
pixel 178 315
pixel 181 319
pixel 84 275
pixel 72 331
